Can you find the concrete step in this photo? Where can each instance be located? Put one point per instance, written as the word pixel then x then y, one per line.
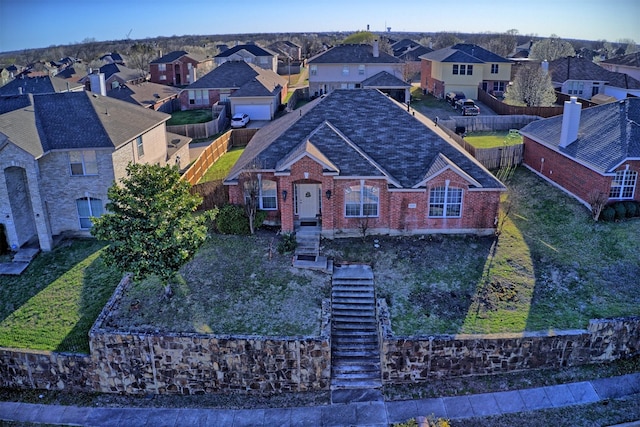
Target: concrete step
pixel 350 333
pixel 340 302
pixel 355 340
pixel 359 290
pixel 353 320
pixel 357 311
pixel 354 384
pixel 346 368
pixel 346 354
pixel 362 327
pixel 352 282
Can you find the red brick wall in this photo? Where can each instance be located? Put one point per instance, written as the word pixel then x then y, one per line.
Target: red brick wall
pixel 214 96
pixel 480 208
pixel 428 83
pixel 575 178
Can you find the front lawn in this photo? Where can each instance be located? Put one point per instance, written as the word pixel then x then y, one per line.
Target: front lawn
pixel 190 117
pixel 551 267
pixel 230 287
pixel 493 139
pixel 53 304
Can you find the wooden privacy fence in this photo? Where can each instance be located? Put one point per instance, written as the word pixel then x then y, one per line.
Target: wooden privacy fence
pixel 203 130
pixel 491 158
pixel 207 158
pixel 504 109
pixel 488 123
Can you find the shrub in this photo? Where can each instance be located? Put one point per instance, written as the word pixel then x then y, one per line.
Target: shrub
pixel 287 243
pixel 608 214
pixel 632 209
pixel 621 211
pixel 232 219
pixel 4 246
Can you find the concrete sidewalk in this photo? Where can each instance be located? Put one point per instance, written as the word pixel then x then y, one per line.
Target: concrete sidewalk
pixel 376 413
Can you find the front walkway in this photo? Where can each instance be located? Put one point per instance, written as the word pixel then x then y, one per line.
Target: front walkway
pixel 376 413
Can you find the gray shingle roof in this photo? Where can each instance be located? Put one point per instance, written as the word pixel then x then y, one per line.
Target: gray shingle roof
pixel 73 120
pixel 251 48
pixel 384 79
pixel 247 78
pixel 363 133
pixel 38 85
pixel 125 73
pixel 177 54
pixel 353 54
pixel 608 134
pixel 464 53
pixel 572 68
pixel 143 94
pixel 631 60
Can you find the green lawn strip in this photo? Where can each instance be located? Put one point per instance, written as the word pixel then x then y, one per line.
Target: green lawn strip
pixel 190 117
pixel 53 304
pixel 221 168
pixel 492 139
pixel 242 291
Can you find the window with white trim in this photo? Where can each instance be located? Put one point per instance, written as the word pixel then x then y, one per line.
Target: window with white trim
pixel 162 67
pixel 455 68
pixel 83 163
pixel 268 195
pixel 88 207
pixel 198 97
pixel 163 77
pixel 498 86
pixel 345 70
pixel 623 184
pixel 361 69
pixel 313 70
pixel 463 69
pixel 469 70
pixel 494 68
pixel 140 146
pixel 361 200
pixel 445 202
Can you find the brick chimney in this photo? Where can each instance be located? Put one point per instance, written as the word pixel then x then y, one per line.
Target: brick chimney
pixel 570 122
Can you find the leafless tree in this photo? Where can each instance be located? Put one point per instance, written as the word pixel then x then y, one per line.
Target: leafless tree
pixel 531 87
pixel 249 180
pixel 597 200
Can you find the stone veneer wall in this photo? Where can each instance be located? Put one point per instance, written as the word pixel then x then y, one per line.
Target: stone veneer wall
pixel 190 363
pixel 32 369
pixel 411 359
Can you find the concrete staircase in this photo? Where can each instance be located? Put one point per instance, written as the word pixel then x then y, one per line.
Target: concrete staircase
pixel 307 253
pixel 355 353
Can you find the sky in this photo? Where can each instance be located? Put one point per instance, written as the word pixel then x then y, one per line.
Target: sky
pixel 26 24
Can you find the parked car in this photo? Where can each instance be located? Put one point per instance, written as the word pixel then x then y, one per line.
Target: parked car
pixel 453 97
pixel 239 120
pixel 468 107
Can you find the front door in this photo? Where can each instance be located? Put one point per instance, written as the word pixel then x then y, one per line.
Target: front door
pixel 308 200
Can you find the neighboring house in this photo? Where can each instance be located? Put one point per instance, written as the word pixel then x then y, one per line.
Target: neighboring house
pixel 112 58
pixel 286 50
pixel 347 66
pixel 596 150
pixel 357 158
pixel 116 75
pixel 39 85
pixel 413 63
pixel 404 45
pixel 57 164
pixel 250 53
pixel 628 64
pixel 247 88
pixel 583 78
pixel 149 95
pixel 179 68
pixel 464 68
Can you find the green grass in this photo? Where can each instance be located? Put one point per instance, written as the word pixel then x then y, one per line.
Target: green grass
pixel 492 139
pixel 223 165
pixel 230 287
pixel 53 304
pixel 551 267
pixel 190 117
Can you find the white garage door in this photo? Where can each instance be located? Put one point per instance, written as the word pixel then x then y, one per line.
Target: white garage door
pixel 255 112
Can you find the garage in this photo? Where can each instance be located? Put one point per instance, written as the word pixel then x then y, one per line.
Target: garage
pixel 255 112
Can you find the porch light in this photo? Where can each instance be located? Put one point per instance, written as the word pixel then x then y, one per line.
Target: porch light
pixel 328 194
pixel 284 195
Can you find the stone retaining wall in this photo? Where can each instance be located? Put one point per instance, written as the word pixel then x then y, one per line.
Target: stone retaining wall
pixel 32 369
pixel 189 363
pixel 410 359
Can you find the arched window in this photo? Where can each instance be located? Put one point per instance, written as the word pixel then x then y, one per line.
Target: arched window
pixel 445 202
pixel 88 207
pixel 361 200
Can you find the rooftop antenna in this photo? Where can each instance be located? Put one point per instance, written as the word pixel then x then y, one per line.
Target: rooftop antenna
pixel 128 34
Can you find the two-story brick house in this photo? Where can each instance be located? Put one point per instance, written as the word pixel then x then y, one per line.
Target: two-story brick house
pixel 247 88
pixel 179 68
pixel 358 156
pixel 59 153
pixel 347 66
pixel 584 152
pixel 464 68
